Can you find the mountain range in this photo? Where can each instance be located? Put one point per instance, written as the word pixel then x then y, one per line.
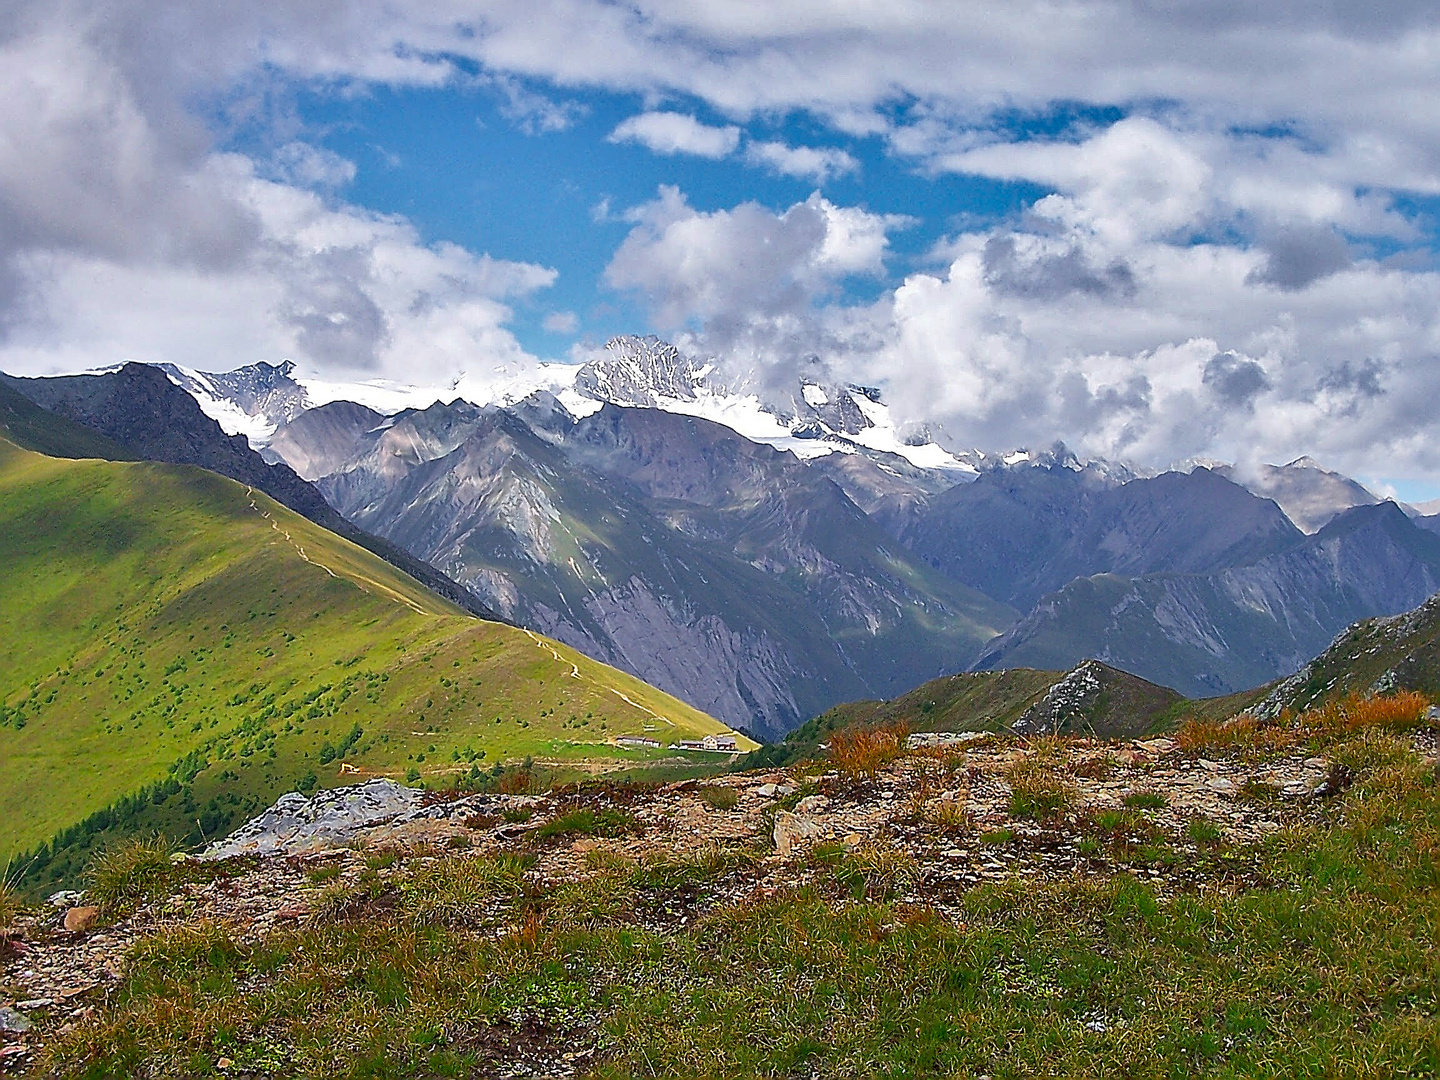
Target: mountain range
pixel 765 553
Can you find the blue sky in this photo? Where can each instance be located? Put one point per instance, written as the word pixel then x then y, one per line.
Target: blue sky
pixel 1154 232
pixel 463 168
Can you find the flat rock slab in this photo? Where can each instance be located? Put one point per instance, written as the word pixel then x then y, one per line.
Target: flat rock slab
pixel 295 824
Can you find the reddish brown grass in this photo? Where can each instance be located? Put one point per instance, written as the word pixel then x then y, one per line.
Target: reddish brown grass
pixel 516 782
pixel 1396 712
pixel 865 751
pixel 1246 734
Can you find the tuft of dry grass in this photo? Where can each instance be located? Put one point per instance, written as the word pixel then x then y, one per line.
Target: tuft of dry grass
pixel 1238 734
pixel 1404 711
pixel 719 797
pixel 126 875
pixel 458 890
pixel 951 814
pixel 1038 789
pixel 10 905
pixel 863 752
pixel 516 782
pixel 1245 734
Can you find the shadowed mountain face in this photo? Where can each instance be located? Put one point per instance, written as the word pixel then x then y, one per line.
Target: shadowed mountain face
pixel 322 440
pixel 721 569
pixel 1017 534
pixel 150 418
pixel 1376 656
pixel 1235 627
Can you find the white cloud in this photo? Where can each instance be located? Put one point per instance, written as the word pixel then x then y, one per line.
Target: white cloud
pixel 123 234
pixel 313 166
pixel 336 288
pixel 804 162
pixel 534 113
pixel 1094 325
pixel 561 322
pixel 748 262
pixel 1234 221
pixel 677 133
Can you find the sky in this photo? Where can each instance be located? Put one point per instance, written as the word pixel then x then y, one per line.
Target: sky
pixel 1153 230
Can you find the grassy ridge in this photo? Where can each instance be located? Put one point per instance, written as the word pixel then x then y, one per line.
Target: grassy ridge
pixel 994 700
pixel 161 625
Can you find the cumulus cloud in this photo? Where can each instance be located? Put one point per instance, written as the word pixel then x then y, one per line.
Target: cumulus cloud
pixel 1234 379
pixel 535 113
pixel 336 288
pixel 1230 221
pixel 1029 266
pixel 750 261
pixel 123 233
pixel 803 162
pixel 677 133
pixel 312 166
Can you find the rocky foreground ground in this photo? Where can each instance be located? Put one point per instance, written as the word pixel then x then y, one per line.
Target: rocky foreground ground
pixel 944 816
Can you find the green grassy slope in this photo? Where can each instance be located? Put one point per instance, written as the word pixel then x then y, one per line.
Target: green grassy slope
pixel 162 626
pixel 1401 652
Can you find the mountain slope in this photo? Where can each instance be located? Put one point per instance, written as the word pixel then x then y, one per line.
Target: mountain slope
pixel 1310 496
pixel 162 625
pixel 1019 533
pixel 1093 699
pixel 28 425
pixel 723 570
pixel 1207 634
pixel 150 418
pixel 1376 656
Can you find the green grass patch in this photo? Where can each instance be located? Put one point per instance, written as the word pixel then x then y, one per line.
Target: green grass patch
pixel 1146 800
pixel 719 798
pixel 584 821
pixel 1333 969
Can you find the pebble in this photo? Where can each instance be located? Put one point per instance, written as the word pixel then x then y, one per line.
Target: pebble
pixel 80 919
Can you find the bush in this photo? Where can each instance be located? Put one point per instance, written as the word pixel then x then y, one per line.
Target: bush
pixel 125 876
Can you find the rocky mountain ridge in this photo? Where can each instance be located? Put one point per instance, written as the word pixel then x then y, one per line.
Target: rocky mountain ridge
pixel 672 547
pixel 1188 578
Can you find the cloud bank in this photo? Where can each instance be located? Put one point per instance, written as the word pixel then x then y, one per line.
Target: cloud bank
pixel 1232 255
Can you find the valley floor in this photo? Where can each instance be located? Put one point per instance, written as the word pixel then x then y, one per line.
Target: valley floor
pixel 1232 901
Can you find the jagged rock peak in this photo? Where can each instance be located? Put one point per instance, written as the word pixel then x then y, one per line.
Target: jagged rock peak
pixel 642 371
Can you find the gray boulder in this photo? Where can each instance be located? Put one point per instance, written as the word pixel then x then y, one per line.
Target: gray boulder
pixel 331 818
